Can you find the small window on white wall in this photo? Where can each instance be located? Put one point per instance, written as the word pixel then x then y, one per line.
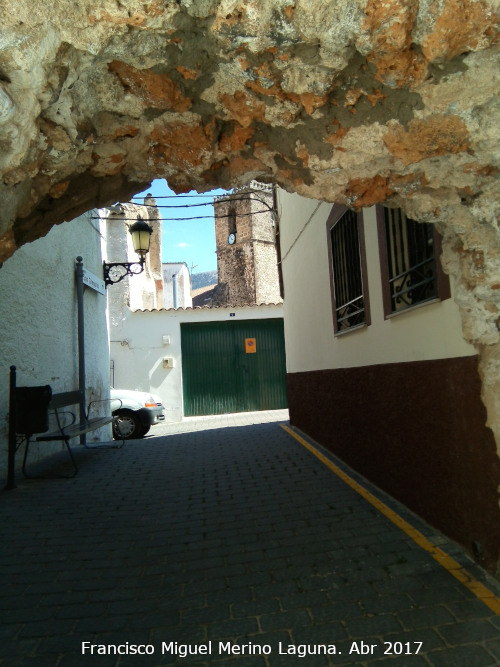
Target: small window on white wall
pixel 349 288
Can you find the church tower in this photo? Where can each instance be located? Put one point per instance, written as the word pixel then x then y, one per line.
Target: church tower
pixel 245 235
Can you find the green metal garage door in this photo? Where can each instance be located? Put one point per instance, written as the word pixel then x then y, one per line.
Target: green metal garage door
pixel 233 367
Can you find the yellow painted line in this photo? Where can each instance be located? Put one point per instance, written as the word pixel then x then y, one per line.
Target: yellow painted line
pixel 476 587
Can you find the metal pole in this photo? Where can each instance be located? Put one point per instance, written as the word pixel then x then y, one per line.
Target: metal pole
pixel 81 340
pixel 175 297
pixel 11 464
pixel 276 220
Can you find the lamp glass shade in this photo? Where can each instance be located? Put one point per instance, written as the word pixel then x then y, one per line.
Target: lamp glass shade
pixel 141 236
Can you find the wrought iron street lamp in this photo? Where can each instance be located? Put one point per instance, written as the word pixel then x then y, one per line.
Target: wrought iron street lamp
pixel 141 237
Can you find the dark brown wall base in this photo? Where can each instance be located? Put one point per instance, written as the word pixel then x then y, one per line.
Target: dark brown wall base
pixel 417 430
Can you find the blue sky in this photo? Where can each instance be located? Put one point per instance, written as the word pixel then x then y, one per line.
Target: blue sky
pixel 190 241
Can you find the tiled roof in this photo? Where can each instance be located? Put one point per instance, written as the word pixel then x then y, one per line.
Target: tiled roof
pixel 226 307
pixel 202 290
pixel 201 295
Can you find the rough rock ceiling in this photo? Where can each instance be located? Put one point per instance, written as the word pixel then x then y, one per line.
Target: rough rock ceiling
pixel 355 101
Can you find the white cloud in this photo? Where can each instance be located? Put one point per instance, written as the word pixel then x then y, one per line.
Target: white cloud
pixel 183 245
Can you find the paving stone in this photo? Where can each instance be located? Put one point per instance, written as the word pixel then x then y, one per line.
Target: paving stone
pixel 205 615
pixel 37 661
pixel 92 625
pixel 20 601
pixel 381 604
pixel 232 628
pixel 180 634
pixel 276 660
pixel 17 649
pixel 493 646
pixel 467 632
pixel 242 661
pixel 465 656
pixel 335 612
pixel 495 620
pixel 425 617
pixel 79 611
pixel 59 643
pixel 367 626
pixel 326 633
pixel 304 600
pixel 138 606
pixel 230 596
pixel 276 590
pixel 254 608
pixel 402 661
pixel 357 592
pixel 469 609
pixel 285 620
pixel 47 628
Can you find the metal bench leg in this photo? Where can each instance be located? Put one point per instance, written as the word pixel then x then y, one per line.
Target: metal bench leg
pixel 25 458
pixel 75 467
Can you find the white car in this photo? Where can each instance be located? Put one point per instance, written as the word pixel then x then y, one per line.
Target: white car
pixel 138 411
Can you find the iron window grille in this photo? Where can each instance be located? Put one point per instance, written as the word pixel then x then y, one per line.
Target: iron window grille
pixel 410 274
pixel 347 270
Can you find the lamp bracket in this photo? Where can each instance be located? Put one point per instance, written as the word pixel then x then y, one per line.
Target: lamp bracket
pixel 115 271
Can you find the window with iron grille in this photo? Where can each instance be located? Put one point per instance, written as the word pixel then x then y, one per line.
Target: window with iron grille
pixel 410 273
pixel 347 269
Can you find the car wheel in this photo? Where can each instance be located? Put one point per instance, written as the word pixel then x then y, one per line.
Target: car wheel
pixel 128 426
pixel 144 430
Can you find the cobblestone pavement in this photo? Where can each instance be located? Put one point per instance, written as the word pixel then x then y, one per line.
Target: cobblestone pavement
pixel 235 544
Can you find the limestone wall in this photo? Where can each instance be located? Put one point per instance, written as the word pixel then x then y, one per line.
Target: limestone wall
pixel 267 288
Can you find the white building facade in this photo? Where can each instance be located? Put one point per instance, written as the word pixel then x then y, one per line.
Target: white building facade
pixel 38 322
pixel 176 285
pixel 146 349
pixel 144 289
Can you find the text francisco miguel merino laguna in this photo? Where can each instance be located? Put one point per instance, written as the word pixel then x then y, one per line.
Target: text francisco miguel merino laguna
pixel 228 648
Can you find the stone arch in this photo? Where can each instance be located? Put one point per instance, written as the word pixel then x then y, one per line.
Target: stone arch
pixel 350 102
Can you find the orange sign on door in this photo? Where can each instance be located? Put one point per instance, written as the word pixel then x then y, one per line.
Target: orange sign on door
pixel 250 346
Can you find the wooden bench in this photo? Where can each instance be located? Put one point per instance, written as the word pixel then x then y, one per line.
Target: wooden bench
pixel 31 409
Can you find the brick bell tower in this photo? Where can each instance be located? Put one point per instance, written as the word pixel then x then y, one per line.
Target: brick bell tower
pixel 245 235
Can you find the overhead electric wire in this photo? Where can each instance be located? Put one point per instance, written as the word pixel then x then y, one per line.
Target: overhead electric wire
pixel 212 196
pixel 199 204
pixel 177 196
pixel 233 199
pixel 199 217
